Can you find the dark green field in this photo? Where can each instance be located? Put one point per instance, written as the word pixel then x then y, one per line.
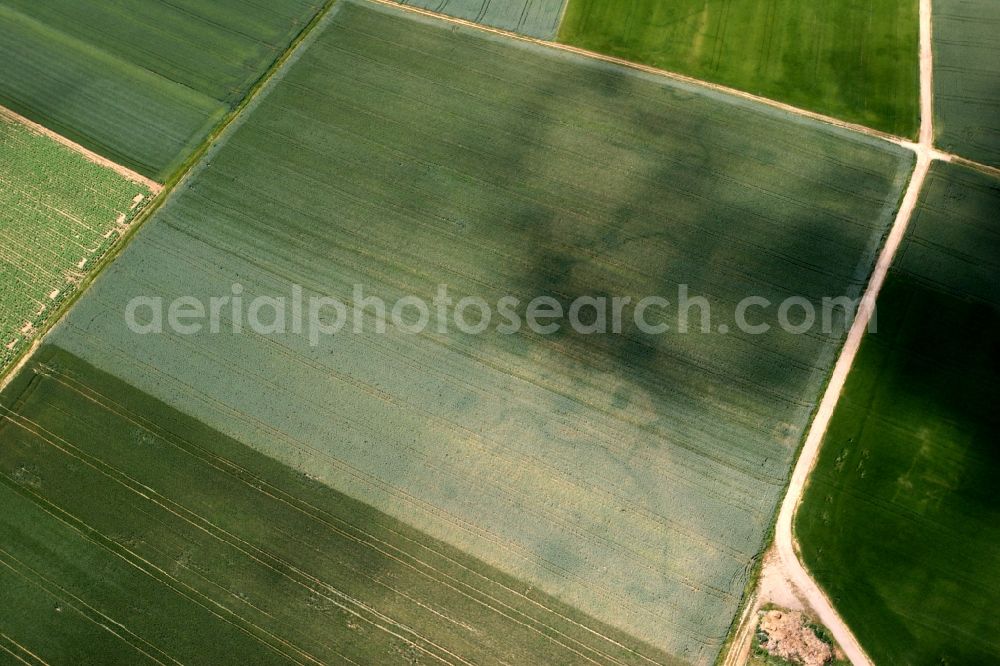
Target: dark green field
pixel 901 520
pixel 131 533
pixel 631 476
pixel 852 59
pixel 141 82
pixel 967 78
pixel 537 18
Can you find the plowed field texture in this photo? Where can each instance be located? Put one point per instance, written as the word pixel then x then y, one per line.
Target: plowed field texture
pixel 535 18
pixel 852 59
pixel 59 213
pixel 577 497
pixel 967 78
pixel 901 520
pixel 141 82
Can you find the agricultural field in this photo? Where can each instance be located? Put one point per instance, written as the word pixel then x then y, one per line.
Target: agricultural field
pixel 852 60
pixel 134 534
pixel 901 521
pixel 967 78
pixel 59 212
pixel 535 18
pixel 141 82
pixel 631 477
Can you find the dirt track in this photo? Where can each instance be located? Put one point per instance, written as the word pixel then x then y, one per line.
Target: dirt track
pixel 794 570
pixel 790 566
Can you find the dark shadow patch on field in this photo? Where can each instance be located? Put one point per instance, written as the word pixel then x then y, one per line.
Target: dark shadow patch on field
pixel 912 452
pixel 568 269
pixel 945 368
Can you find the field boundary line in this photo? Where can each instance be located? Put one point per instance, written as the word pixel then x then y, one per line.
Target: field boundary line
pixel 154 187
pixel 966 162
pixel 349 530
pixel 560 20
pixel 15 369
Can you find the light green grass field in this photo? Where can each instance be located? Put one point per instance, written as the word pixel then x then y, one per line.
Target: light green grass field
pixel 852 59
pixel 536 18
pixel 967 78
pixel 901 520
pixel 59 212
pixel 141 82
pixel 633 477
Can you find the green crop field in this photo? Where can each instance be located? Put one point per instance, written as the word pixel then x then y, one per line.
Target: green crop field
pixel 59 212
pixel 632 477
pixel 141 82
pixel 852 59
pixel 967 78
pixel 131 533
pixel 901 521
pixel 536 18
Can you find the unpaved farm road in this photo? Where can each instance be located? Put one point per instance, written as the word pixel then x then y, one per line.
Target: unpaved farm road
pixel 793 569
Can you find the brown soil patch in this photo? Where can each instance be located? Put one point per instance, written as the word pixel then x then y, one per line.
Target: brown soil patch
pixel 787 635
